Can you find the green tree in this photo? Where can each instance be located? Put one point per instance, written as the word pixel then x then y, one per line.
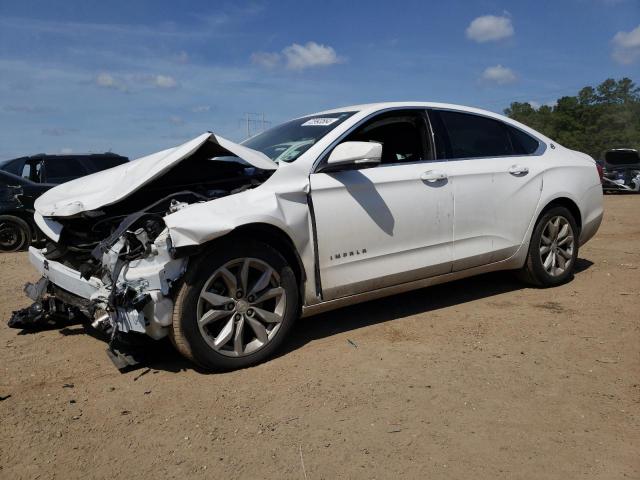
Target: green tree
pixel 595 120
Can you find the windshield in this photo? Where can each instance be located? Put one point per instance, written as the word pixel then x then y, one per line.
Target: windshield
pixel 286 142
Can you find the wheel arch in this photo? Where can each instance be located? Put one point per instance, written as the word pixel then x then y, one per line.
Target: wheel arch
pixel 269 234
pixel 566 202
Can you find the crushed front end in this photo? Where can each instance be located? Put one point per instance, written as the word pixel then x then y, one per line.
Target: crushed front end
pixel 120 284
pixel 109 260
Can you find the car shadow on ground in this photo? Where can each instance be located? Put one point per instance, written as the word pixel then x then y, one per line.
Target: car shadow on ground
pixel 160 355
pixel 407 304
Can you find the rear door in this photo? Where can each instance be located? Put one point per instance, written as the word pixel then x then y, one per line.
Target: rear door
pixel 496 177
pixel 385 225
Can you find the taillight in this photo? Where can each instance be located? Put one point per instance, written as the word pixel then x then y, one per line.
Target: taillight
pixel 600 171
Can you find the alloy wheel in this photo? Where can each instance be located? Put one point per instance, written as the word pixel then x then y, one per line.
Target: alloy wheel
pixel 241 307
pixel 556 246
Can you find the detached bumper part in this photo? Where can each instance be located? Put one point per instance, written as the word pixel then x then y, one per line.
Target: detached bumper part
pixel 44 311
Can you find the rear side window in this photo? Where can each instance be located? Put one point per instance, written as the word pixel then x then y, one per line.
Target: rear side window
pixel 62 169
pixel 472 136
pixel 523 143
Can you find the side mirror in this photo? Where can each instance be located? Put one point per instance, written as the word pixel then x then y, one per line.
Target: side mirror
pixel 355 154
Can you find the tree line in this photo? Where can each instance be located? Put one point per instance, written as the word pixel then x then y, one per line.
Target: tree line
pixel 595 120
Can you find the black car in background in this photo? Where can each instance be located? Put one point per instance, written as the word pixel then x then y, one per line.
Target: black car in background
pixel 24 179
pixel 621 170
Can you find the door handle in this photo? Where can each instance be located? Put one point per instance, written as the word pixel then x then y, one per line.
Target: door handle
pixel 517 170
pixel 433 176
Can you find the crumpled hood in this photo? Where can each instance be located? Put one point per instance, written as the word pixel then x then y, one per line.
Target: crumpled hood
pixel 110 186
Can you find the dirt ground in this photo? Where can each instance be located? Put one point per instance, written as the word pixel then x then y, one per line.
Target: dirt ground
pixel 482 378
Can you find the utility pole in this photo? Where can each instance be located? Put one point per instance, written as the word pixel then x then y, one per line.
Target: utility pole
pixel 255 123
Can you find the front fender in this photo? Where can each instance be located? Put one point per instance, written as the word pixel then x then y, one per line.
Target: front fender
pixel 202 222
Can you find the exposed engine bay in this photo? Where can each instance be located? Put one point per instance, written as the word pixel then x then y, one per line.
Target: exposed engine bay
pixel 120 257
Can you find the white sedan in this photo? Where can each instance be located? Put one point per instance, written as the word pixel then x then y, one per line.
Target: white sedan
pixel 222 246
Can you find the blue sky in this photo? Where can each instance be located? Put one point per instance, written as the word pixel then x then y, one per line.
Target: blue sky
pixel 138 76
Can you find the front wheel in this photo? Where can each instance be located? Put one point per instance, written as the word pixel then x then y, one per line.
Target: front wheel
pixel 553 249
pixel 236 306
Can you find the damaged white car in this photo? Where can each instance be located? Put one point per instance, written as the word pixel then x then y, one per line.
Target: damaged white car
pixel 222 246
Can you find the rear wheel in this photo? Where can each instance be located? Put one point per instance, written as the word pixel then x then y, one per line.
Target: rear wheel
pixel 236 306
pixel 15 234
pixel 553 249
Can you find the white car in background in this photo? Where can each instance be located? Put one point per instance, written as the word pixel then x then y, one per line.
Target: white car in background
pixel 223 246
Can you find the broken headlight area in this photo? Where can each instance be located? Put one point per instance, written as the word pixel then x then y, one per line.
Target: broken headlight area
pixel 111 270
pixel 128 290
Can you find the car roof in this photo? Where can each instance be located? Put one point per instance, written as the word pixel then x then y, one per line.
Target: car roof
pixel 373 107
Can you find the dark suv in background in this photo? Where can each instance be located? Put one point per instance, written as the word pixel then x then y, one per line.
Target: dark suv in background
pixel 24 179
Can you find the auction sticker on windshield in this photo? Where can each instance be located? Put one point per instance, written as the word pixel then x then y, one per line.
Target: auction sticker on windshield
pixel 319 122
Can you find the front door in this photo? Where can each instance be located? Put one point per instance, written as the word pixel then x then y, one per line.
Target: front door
pixel 386 225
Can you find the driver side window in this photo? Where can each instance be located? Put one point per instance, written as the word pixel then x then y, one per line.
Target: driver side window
pixel 401 133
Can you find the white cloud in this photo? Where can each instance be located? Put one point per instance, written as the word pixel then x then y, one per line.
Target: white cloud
pixel 499 75
pixel 106 80
pixel 626 46
pixel 312 54
pixel 164 81
pixel 129 82
pixel 298 57
pixel 176 120
pixel 66 150
pixel 266 59
pixel 201 109
pixel 490 28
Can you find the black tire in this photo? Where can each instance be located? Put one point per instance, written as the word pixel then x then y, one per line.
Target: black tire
pixel 15 234
pixel 534 271
pixel 185 331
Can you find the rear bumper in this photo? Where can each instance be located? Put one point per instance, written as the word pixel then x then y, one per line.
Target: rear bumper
pixel 592 212
pixel 64 277
pixel 590 228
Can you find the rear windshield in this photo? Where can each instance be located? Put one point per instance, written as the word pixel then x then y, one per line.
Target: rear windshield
pixel 286 142
pixel 621 157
